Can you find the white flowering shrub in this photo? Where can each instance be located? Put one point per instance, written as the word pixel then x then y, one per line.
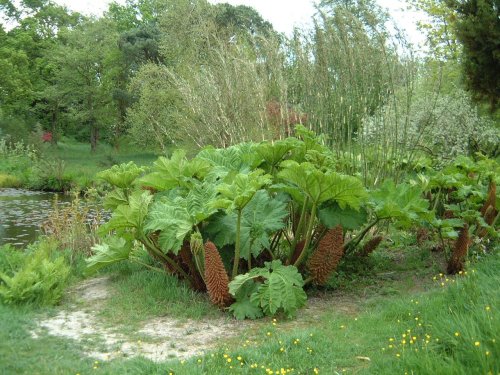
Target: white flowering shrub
pixel 443 126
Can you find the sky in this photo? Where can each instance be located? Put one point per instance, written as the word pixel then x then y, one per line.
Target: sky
pixel 283 14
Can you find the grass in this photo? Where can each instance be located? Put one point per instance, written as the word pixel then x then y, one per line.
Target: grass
pixel 449 326
pixel 9 181
pixel 82 165
pixel 140 294
pixel 69 165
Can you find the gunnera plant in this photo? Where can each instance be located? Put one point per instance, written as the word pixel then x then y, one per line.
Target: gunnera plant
pixel 327 256
pixel 216 277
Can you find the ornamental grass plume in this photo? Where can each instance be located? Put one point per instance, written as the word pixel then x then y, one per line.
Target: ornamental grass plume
pixel 371 245
pixel 216 278
pixel 457 260
pixel 327 255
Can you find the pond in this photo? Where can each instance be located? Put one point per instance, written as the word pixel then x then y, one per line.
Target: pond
pixel 22 212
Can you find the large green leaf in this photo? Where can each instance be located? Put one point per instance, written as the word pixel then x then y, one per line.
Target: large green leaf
pixel 122 175
pixel 262 217
pixel 173 220
pixel 240 158
pixel 332 215
pixel 403 203
pixel 114 250
pixel 306 179
pixel 115 198
pixel 244 307
pixel 174 172
pixel 322 160
pixel 281 290
pixel 276 152
pixel 131 215
pixel 236 194
pixel 175 217
pixel 199 201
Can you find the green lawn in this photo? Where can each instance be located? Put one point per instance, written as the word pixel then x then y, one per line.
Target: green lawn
pixel 391 320
pixel 82 165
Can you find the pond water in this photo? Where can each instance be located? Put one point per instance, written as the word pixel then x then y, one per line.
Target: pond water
pixel 22 212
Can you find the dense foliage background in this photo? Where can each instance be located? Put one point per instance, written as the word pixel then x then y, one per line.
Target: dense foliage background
pixel 188 72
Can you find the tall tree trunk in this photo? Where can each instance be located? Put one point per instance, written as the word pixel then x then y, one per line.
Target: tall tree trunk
pixel 55 134
pixel 94 136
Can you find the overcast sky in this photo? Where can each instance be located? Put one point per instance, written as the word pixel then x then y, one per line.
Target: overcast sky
pixel 283 14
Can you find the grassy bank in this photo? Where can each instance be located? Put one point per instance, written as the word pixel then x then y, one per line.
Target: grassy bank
pixel 408 320
pixel 65 166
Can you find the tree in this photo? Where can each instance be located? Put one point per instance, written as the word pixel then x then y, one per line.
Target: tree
pixel 15 83
pixel 439 26
pixel 241 19
pixel 478 29
pixel 85 74
pixel 25 88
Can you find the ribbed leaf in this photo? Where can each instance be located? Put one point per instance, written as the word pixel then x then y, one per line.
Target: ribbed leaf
pixel 173 221
pixel 175 217
pixel 332 215
pixel 122 175
pixel 131 215
pixel 240 158
pixel 174 172
pixel 281 290
pixel 115 198
pixel 236 194
pixel 114 250
pixel 274 153
pixel 262 217
pixel 402 203
pixel 306 179
pixel 243 307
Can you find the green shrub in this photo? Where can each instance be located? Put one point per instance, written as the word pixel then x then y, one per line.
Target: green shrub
pixel 38 278
pixel 11 259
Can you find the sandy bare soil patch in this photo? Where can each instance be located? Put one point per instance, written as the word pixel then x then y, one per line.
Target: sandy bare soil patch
pixel 160 338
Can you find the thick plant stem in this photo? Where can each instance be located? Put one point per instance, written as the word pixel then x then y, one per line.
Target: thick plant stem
pixel 297 235
pixel 437 200
pixel 302 255
pixel 158 253
pixel 200 266
pixel 237 246
pixel 156 269
pixel 308 280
